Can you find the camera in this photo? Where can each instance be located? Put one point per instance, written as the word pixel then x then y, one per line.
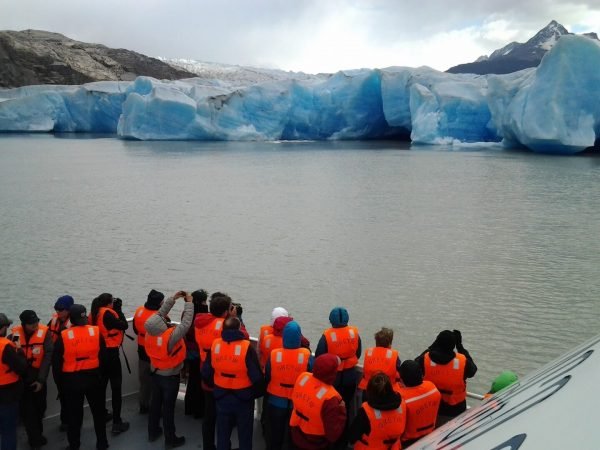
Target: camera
pixel 238 308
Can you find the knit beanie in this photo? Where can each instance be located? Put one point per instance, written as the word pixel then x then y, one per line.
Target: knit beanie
pixel 325 367
pixel 338 317
pixel 411 373
pixel 278 312
pixel 155 298
pixel 280 324
pixel 64 302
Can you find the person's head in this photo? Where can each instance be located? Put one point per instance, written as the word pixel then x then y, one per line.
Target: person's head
pixel 379 388
pixel 411 373
pixel 5 322
pixel 280 324
pixel 503 380
pixel 154 300
pixel 445 341
pixel 219 306
pixel 384 337
pixel 325 367
pixel 278 312
pixel 29 321
pixel 104 300
pixel 232 323
pixel 199 298
pixel 338 317
pixel 62 306
pixel 78 315
pixel 292 335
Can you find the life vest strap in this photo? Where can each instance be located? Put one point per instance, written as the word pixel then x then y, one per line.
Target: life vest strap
pixel 302 416
pixel 228 375
pixel 431 425
pixel 82 358
pixel 445 391
pixel 286 385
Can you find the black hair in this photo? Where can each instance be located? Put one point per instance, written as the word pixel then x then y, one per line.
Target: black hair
pixel 101 301
pixel 219 305
pixel 379 387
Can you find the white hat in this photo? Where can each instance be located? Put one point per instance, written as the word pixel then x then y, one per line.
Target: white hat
pixel 278 312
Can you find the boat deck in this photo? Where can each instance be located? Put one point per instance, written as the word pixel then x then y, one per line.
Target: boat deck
pixel 137 436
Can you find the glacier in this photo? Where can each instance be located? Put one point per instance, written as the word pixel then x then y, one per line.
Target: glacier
pixel 554 108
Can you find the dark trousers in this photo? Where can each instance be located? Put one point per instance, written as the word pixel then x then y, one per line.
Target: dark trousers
pixel 209 421
pixel 9 413
pixel 75 390
pixel 111 371
pixel 162 404
pixel 345 384
pixel 279 421
pixel 33 407
pixel 232 412
pixel 145 379
pixel 194 397
pixel 61 395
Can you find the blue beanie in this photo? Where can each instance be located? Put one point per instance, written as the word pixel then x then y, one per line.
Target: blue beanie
pixel 338 317
pixel 64 302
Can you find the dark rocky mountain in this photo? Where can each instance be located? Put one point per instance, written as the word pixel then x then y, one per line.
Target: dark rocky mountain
pixel 40 57
pixel 516 56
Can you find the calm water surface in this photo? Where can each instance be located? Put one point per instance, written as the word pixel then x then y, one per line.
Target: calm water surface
pixel 501 245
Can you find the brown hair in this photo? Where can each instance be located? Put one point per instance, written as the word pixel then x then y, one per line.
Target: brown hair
pixel 384 337
pixel 379 386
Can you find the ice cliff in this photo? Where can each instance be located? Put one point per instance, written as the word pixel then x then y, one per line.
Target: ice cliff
pixel 553 108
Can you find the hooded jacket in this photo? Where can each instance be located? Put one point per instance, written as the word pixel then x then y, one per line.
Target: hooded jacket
pixel 442 352
pixel 156 325
pixel 292 339
pixel 333 411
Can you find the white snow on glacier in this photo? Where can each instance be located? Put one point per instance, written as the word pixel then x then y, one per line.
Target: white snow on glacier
pixel 554 108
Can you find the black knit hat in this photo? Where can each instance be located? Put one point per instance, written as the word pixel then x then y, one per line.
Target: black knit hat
pixel 155 298
pixel 411 373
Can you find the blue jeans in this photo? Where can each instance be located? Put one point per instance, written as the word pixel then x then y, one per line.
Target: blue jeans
pixel 162 404
pixel 9 413
pixel 231 412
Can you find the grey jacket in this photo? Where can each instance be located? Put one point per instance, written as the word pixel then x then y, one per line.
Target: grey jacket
pixel 157 325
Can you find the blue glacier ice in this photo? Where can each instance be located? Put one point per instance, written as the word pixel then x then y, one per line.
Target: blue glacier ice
pixel 554 108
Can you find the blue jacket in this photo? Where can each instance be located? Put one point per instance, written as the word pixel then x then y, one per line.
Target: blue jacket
pixel 292 335
pixel 254 373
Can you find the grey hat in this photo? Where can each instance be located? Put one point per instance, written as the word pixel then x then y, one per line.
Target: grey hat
pixel 4 321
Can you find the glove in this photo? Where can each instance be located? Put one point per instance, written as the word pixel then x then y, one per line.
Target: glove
pixel 457 338
pixel 117 304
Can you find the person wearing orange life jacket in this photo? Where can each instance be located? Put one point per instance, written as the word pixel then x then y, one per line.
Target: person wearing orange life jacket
pixel 233 369
pixel 13 366
pixel 143 313
pixel 422 402
pixel 265 330
pixel 194 396
pixel 381 419
pixel 273 340
pixel 381 358
pixel 344 341
pixel 166 349
pixel 319 414
pixel 36 342
pixel 58 322
pixel 78 354
pixel 282 369
pixel 207 328
pixel 448 370
pixel 107 314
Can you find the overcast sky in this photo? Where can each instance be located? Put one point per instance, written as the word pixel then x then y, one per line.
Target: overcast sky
pixel 311 35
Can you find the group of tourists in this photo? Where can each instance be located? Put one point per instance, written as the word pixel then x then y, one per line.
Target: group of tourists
pixel 308 401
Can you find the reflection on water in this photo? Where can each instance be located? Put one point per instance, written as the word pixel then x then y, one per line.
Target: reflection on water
pixel 502 245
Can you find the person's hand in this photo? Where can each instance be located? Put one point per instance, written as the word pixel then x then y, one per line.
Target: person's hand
pixel 36 386
pixel 457 337
pixel 178 294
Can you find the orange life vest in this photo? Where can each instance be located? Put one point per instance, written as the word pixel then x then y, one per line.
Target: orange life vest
pixel 205 336
pixel 448 378
pixel 82 347
pixel 270 343
pixel 379 359
pixel 157 348
pixel 286 365
pixel 386 428
pixel 422 404
pixel 139 320
pixel 308 396
pixel 343 342
pixel 229 363
pixel 34 349
pixel 56 326
pixel 113 338
pixel 7 376
pixel 265 330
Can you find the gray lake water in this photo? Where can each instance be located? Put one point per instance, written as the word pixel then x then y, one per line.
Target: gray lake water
pixel 501 245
